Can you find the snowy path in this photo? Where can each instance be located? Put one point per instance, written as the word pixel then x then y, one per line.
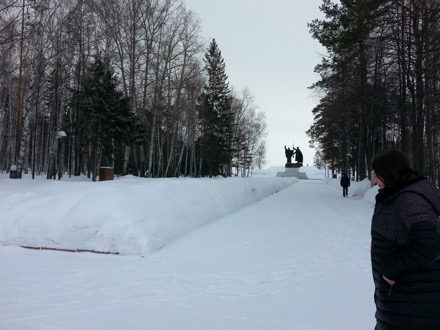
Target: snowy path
pixel 298 260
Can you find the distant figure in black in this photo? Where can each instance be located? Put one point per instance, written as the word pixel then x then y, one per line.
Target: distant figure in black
pixel 298 156
pixel 289 154
pixel 345 183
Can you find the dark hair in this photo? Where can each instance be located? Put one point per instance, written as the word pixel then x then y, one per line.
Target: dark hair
pixel 392 167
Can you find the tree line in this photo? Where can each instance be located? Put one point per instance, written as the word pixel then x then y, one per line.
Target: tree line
pixel 379 84
pixel 127 84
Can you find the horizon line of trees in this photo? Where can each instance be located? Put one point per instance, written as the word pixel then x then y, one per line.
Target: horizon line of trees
pixel 120 83
pixel 379 84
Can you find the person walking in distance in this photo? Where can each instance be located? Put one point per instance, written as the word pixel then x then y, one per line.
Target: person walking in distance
pixel 405 246
pixel 345 183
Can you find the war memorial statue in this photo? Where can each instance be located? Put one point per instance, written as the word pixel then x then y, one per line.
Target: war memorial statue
pixel 289 153
pixel 298 156
pixel 292 169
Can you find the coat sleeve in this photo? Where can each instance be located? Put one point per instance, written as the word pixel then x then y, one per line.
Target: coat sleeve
pixel 423 247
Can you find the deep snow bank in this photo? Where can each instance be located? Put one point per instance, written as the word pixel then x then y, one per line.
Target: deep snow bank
pixel 362 189
pixel 129 215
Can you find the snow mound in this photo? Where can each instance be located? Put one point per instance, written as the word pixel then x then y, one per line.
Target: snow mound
pixel 130 215
pixel 313 173
pixel 357 188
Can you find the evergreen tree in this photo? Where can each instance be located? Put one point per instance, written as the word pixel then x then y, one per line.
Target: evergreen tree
pixel 216 118
pixel 105 117
pixel 354 104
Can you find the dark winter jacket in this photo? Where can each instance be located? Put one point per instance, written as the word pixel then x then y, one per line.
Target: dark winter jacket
pixel 345 181
pixel 405 248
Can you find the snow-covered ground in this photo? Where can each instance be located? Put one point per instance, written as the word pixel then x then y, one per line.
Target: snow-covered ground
pixel 237 253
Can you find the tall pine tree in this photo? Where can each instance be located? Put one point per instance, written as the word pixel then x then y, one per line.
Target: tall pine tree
pixel 216 118
pixel 105 118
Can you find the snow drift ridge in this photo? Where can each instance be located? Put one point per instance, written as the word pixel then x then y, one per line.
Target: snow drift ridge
pixel 150 212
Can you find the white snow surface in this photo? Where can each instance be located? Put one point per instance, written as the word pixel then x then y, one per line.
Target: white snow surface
pixel 235 253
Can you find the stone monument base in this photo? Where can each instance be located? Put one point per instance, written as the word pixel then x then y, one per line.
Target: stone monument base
pixel 292 171
pixel 293 165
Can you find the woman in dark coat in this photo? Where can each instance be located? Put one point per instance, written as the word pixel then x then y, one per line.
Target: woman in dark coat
pixel 405 247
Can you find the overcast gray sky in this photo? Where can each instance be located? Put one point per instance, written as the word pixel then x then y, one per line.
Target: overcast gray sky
pixel 267 48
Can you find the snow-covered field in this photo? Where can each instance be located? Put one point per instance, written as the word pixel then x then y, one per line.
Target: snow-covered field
pixel 236 253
